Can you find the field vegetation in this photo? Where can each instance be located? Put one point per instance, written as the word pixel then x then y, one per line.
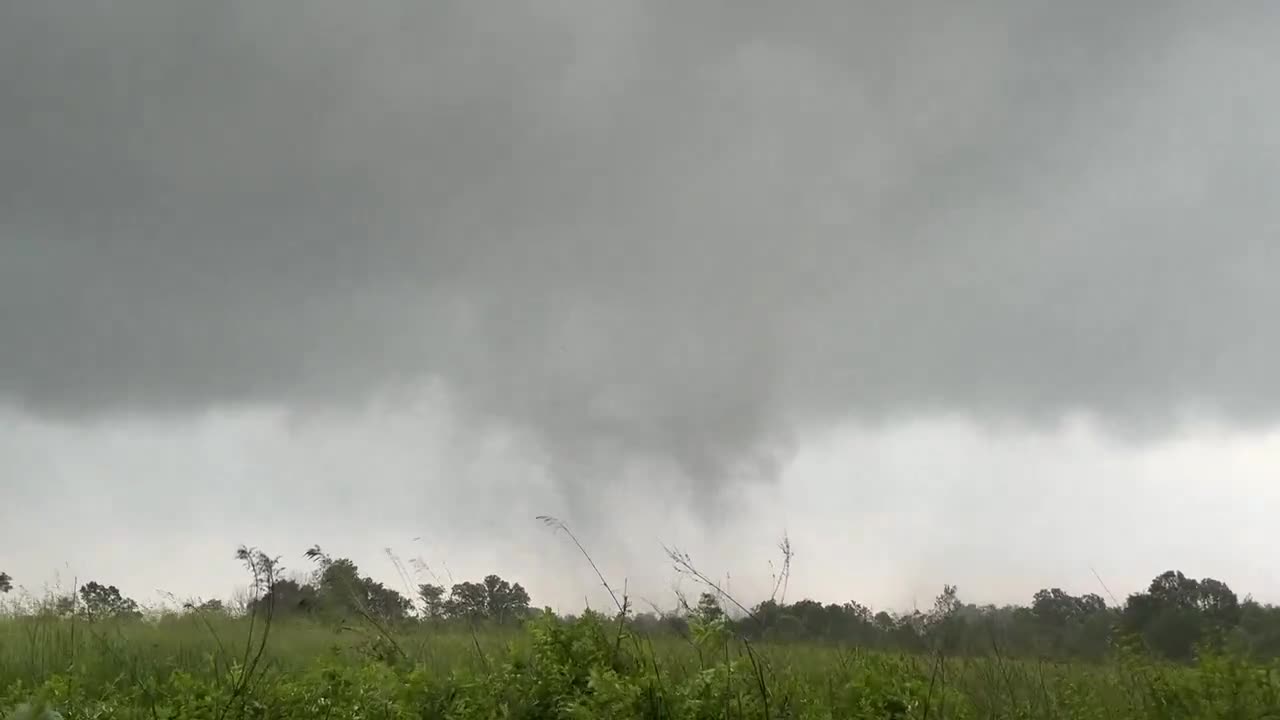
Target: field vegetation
pixel 334 643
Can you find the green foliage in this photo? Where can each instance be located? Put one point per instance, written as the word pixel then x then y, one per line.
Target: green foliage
pixel 708 608
pixel 210 606
pixel 433 599
pixel 1178 614
pixel 172 668
pixel 100 602
pixel 288 597
pixel 338 592
pixel 341 645
pixel 1176 618
pixel 493 599
pixel 38 711
pixel 342 590
pixel 6 582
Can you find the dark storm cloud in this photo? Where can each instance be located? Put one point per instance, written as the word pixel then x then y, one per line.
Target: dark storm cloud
pixel 672 231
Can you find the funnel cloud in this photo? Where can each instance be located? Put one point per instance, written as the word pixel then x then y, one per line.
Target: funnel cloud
pixel 663 233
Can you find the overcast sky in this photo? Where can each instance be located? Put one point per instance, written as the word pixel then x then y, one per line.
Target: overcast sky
pixel 979 294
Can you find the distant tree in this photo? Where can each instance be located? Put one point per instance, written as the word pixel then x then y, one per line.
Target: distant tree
pixel 762 620
pixel 946 604
pixel 64 605
pixel 288 597
pixel 853 623
pixel 1057 609
pixel 1178 613
pixel 857 611
pixel 493 599
pixel 383 601
pixel 1258 634
pixel 1173 589
pixel 944 624
pixel 646 623
pixel 908 631
pixel 209 606
pixel 708 608
pixel 850 622
pixel 787 628
pixel 338 582
pixel 466 600
pixel 675 624
pixel 433 601
pixel 1218 604
pixel 99 601
pixel 1065 625
pixel 343 590
pixel 6 582
pixel 505 602
pixel 883 621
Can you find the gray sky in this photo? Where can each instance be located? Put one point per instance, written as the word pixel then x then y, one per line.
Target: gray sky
pixel 929 287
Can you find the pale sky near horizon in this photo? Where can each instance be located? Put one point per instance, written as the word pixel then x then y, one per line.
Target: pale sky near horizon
pixel 879 515
pixel 983 295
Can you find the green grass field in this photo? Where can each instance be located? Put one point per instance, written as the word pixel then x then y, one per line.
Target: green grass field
pixel 199 665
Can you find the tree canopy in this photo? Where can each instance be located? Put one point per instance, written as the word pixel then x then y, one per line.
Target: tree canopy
pixel 100 602
pixel 1177 614
pixel 338 589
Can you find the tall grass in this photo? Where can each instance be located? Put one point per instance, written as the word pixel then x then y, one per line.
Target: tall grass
pixel 188 665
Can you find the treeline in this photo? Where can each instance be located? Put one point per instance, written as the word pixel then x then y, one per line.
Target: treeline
pixel 341 591
pixel 334 590
pixel 1056 624
pixel 1174 618
pixel 337 588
